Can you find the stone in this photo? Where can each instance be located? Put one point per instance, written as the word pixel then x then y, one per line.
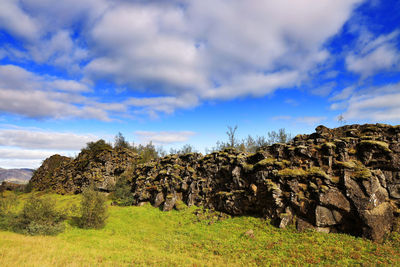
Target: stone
pixel 345 179
pixel 335 199
pixel 378 221
pixel 159 200
pixel 324 217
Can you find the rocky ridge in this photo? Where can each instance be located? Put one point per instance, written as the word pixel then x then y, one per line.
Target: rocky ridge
pixel 345 179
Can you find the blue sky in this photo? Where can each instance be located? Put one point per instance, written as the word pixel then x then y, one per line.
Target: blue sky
pixel 180 71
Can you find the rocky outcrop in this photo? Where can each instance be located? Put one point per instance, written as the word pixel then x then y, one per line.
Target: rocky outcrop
pixel 335 180
pixel 65 175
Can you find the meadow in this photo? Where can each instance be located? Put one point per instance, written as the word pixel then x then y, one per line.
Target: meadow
pixel 147 236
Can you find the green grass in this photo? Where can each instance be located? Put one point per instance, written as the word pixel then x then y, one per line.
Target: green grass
pixel 147 236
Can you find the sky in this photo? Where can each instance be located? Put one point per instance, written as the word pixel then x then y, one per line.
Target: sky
pixel 181 71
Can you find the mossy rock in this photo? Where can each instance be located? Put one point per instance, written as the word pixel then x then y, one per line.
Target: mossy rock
pixel 346 164
pixel 329 145
pixel 292 173
pixel 372 143
pixel 317 172
pixel 271 162
pixel 180 205
pixel 247 167
pixel 359 170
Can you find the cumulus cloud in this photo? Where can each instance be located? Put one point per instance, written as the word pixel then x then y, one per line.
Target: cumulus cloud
pixel 164 137
pixel 311 120
pixel 29 139
pixel 379 103
pixel 22 154
pixel 373 55
pixel 27 148
pixel 17 22
pixel 192 50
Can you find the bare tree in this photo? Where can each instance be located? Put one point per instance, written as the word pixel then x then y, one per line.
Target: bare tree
pixel 231 136
pixel 341 119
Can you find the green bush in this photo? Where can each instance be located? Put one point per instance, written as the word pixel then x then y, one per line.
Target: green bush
pixel 93 209
pixel 123 195
pixel 8 204
pixel 39 216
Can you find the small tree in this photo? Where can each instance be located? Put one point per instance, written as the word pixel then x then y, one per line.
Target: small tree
pixel 120 142
pixel 123 195
pixel 40 217
pixel 93 209
pixel 232 136
pixel 341 119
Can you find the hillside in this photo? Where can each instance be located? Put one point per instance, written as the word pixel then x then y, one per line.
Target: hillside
pixel 19 176
pixel 343 180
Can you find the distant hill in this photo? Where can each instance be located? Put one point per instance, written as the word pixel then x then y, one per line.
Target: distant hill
pixel 19 176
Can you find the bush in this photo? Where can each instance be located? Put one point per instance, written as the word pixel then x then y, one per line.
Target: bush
pixel 39 216
pixel 123 195
pixel 8 203
pixel 93 209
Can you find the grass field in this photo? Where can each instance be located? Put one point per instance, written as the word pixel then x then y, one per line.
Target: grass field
pixel 147 236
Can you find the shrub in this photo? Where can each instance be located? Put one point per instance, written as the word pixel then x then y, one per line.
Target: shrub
pixel 7 203
pixel 123 195
pixel 39 216
pixel 93 209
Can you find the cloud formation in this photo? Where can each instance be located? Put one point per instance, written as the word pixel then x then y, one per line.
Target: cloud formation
pixel 164 137
pixel 29 139
pixel 180 53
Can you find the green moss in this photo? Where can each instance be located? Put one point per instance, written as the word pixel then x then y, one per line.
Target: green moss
pixel 180 205
pixel 248 167
pixel 272 162
pixel 362 173
pixel 317 172
pixel 313 186
pixel 382 145
pixel 334 179
pixel 271 185
pixel 346 164
pixel 224 193
pixel 329 145
pixel 287 172
pixel 190 169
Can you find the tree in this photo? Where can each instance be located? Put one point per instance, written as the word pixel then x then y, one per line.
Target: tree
pixel 97 147
pixel 120 142
pixel 278 137
pixel 341 119
pixel 231 136
pixel 93 209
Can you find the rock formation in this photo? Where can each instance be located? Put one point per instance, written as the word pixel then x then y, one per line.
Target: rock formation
pixel 345 179
pixel 65 175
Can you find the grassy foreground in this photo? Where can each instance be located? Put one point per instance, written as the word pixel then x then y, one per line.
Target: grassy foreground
pixel 148 236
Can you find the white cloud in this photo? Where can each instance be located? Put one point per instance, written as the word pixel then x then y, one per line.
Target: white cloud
pixel 25 93
pixel 30 139
pixel 376 104
pixel 374 55
pixel 194 50
pixel 164 137
pixel 23 154
pixel 311 120
pixel 16 21
pixel 344 94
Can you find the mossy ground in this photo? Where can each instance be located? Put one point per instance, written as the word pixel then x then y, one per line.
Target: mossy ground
pixel 146 236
